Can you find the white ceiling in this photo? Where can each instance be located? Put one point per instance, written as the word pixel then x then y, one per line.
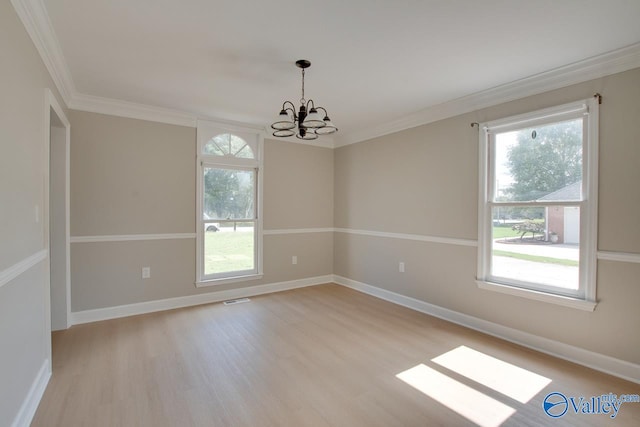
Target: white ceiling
pixel 373 61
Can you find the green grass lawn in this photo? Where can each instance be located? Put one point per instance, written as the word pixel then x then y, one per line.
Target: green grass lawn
pixel 504 231
pixel 228 251
pixel 536 258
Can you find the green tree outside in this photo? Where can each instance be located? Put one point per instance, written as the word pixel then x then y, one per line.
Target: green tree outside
pixel 228 193
pixel 545 159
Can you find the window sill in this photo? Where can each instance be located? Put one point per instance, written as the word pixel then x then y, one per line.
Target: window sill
pixel 225 280
pixel 576 303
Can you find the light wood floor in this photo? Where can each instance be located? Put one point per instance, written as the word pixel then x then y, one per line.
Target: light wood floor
pixel 317 356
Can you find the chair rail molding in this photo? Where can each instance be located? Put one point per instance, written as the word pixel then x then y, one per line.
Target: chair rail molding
pixel 10 273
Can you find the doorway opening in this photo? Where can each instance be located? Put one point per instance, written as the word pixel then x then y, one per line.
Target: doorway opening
pixel 57 232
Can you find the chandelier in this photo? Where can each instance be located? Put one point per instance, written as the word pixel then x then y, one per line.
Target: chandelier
pixel 310 124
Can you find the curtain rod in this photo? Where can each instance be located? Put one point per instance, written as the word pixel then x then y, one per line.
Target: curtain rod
pixel 595 95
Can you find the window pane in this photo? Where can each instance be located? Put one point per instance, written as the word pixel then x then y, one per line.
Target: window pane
pixel 229 249
pixel 537 245
pixel 239 148
pixel 212 147
pixel 245 153
pixel 228 145
pixel 539 163
pixel 222 141
pixel 228 194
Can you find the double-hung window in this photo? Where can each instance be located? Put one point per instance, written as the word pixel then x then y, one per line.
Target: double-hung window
pixel 229 223
pixel 538 205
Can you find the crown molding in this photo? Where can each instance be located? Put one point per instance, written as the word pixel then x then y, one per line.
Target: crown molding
pixel 132 110
pixel 321 142
pixel 595 67
pixel 35 19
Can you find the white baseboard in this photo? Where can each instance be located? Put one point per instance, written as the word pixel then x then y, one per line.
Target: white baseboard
pixel 32 400
pixel 607 364
pixel 597 361
pixel 95 315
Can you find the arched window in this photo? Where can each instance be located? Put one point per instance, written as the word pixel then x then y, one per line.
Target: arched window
pixel 228 144
pixel 229 220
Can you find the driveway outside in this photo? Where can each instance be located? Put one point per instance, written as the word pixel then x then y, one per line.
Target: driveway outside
pixel 551 274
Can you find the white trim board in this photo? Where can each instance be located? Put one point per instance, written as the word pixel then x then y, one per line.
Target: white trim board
pixel 607 364
pixel 298 231
pixel 114 107
pixel 169 236
pixel 613 62
pixel 95 315
pixel 324 141
pixel 35 19
pixel 131 237
pixel 619 256
pixel 10 273
pixel 52 106
pixel 31 401
pixel 172 236
pixel 405 236
pixel 602 255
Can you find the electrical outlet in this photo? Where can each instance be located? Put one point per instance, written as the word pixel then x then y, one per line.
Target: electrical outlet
pixel 294 260
pixel 146 272
pixel 401 267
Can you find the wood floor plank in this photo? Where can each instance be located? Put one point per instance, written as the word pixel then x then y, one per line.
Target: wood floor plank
pixel 318 356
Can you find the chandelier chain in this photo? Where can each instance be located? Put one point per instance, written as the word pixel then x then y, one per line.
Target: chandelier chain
pixel 302 100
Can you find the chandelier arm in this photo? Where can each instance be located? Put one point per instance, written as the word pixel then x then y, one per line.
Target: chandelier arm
pixel 291 109
pixel 313 105
pixel 292 112
pixel 323 109
pixel 284 104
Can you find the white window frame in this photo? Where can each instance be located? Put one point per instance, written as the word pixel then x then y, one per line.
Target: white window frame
pixel 207 130
pixel 585 297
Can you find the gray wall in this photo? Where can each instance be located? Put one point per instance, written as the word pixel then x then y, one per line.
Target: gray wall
pixel 425 181
pixel 23 334
pixel 136 177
